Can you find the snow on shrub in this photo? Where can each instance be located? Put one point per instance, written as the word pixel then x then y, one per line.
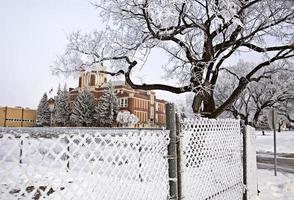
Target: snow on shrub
pixel 125 118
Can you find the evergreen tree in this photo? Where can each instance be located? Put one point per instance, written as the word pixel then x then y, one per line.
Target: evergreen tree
pixel 43 112
pixel 62 109
pixel 107 108
pixel 83 110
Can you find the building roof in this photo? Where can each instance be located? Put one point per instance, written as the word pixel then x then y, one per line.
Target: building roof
pixel 16 107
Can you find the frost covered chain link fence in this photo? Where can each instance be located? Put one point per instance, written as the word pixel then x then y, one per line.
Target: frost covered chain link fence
pixel 59 163
pixel 211 162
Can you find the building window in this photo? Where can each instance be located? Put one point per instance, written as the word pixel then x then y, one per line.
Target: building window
pixel 152 98
pixel 80 81
pixel 151 112
pixel 92 80
pixel 123 102
pixel 156 106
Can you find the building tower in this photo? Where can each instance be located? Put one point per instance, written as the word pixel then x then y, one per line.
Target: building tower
pixel 92 79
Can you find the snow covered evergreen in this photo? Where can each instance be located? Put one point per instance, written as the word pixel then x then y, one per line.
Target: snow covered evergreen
pixel 107 108
pixel 83 110
pixel 62 109
pixel 126 119
pixel 43 112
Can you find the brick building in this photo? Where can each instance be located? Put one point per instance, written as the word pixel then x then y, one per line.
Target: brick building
pixel 143 104
pixel 17 117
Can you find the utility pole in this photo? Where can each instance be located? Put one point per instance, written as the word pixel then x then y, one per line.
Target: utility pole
pixel 272 121
pixel 275 139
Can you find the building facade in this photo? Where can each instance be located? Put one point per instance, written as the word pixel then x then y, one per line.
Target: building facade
pixel 17 117
pixel 144 104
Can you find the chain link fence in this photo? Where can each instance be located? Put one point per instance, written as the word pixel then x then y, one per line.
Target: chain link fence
pixel 211 162
pixel 62 163
pixel 195 159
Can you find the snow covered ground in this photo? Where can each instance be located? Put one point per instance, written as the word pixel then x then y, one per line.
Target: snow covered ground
pixel 265 143
pixel 280 187
pixel 88 166
pixel 73 185
pixel 17 180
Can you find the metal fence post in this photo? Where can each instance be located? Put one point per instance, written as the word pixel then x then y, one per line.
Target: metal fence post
pixel 243 132
pixel 179 170
pixel 140 161
pixel 20 151
pixel 172 150
pixel 67 142
pixel 68 150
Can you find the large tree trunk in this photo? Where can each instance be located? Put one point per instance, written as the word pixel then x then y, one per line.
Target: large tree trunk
pixel 208 104
pixel 203 103
pixel 197 101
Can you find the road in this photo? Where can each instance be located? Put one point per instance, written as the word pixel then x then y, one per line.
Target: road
pixel 285 162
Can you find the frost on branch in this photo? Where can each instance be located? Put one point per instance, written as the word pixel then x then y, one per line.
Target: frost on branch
pixel 126 119
pixel 272 87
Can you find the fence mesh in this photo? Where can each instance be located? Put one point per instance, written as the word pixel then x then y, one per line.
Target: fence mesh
pixel 83 164
pixel 211 159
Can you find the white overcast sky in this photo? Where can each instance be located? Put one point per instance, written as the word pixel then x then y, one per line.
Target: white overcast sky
pixel 32 34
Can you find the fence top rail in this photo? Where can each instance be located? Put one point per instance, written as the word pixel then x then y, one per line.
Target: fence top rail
pixel 44 132
pixel 220 120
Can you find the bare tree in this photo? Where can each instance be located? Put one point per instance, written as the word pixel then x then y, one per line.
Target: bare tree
pixel 274 87
pixel 200 36
pixel 287 110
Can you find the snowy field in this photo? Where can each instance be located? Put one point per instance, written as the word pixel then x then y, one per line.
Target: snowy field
pixel 265 143
pixel 272 187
